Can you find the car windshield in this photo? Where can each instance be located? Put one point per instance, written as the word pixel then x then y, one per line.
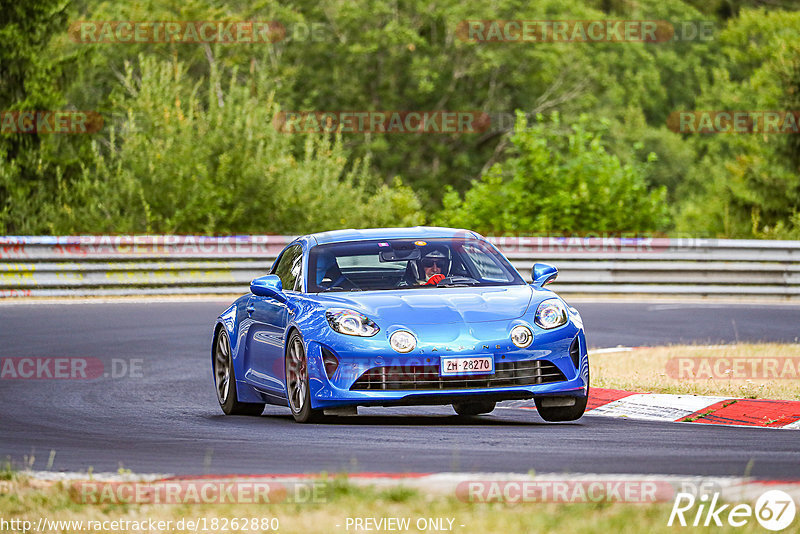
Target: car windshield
pixel 407 263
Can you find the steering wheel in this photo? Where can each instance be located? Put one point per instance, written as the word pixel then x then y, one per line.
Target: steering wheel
pixel 435 279
pixel 342 279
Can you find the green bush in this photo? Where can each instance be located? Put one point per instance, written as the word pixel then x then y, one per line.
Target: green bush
pixel 558 180
pixel 188 144
pixel 748 184
pixel 176 164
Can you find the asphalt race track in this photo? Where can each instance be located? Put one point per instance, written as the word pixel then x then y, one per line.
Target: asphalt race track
pixel 165 418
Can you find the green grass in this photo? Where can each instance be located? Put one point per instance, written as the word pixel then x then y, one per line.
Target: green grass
pixel 647 370
pixel 26 498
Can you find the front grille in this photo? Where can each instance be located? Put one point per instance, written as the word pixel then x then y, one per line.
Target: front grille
pixel 524 373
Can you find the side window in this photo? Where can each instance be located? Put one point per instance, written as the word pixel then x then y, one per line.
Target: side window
pixel 289 268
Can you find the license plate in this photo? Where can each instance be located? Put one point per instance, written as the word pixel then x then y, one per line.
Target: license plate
pixel 477 365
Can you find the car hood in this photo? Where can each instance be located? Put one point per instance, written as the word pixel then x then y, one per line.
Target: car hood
pixel 436 305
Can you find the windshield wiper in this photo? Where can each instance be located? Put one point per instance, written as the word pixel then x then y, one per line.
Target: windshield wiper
pixel 338 288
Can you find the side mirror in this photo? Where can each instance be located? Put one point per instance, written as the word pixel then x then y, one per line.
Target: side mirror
pixel 543 274
pixel 268 286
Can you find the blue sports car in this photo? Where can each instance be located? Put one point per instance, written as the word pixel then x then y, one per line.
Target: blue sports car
pixel 399 316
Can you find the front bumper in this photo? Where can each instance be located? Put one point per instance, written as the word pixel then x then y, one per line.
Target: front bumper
pixel 549 346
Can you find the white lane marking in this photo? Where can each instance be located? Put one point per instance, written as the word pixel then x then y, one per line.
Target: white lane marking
pixel 610 350
pixel 793 426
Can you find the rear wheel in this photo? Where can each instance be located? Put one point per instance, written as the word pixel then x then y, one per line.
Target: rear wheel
pixel 297 383
pixel 473 408
pixel 225 380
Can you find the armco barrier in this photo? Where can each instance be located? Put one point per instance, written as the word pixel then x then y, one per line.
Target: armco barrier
pixel 161 265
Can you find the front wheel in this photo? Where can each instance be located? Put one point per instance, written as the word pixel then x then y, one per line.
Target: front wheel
pixel 549 408
pixel 225 380
pixel 297 383
pixel 550 411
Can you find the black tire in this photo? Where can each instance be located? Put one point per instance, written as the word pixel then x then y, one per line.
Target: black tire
pixel 225 379
pixel 474 408
pixel 297 384
pixel 555 414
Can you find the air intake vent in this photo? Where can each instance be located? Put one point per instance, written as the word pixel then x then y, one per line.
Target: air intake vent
pixel 330 360
pixel 575 352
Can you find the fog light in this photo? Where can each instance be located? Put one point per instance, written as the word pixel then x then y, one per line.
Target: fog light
pixel 403 341
pixel 521 336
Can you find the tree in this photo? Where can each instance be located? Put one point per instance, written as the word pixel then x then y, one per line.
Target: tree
pixel 178 164
pixel 748 184
pixel 558 180
pixel 30 80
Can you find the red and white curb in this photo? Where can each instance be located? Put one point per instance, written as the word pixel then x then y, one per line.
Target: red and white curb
pixel 689 409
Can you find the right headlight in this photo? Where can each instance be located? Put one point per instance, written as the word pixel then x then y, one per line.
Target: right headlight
pixel 351 322
pixel 551 313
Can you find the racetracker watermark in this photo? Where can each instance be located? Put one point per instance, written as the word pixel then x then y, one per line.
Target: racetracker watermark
pixel 145 524
pixel 565 491
pixel 584 31
pixel 50 122
pixel 735 122
pixel 203 31
pixel 384 122
pixel 564 31
pixel 703 368
pixel 626 243
pixel 140 245
pixel 199 491
pixel 68 368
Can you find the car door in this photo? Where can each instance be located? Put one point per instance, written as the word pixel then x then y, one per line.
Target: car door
pixel 269 319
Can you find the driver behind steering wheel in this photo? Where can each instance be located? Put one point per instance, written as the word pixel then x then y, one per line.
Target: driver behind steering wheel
pixel 434 267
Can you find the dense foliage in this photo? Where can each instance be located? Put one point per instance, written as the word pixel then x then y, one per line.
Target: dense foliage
pixel 579 139
pixel 559 182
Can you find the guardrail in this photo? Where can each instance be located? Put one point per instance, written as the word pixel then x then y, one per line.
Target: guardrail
pixel 161 265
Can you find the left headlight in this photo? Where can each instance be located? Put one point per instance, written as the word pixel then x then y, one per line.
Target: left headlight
pixel 351 322
pixel 551 313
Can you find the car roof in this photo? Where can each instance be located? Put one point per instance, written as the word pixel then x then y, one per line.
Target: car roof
pixel 416 232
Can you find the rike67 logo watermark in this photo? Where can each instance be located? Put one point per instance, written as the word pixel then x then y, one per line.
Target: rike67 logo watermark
pixel 774 510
